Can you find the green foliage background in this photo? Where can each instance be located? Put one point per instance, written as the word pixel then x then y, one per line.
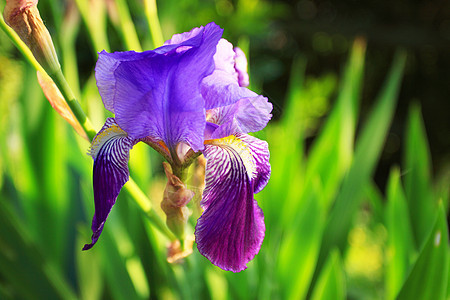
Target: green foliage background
pixel 331 233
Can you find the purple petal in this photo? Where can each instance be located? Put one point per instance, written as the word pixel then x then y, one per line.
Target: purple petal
pixel 224 59
pixel 231 229
pixel 240 66
pixel 181 37
pixel 110 150
pixel 157 93
pixel 220 89
pixel 104 73
pixel 223 86
pixel 246 115
pixel 260 152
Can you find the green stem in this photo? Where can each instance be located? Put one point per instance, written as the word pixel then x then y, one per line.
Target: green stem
pixel 94 16
pixel 65 89
pixel 127 29
pixel 151 12
pixel 145 205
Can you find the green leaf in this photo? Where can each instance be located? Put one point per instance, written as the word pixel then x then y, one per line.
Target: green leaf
pixel 418 188
pixel 300 246
pixel 429 276
pixel 124 273
pixel 368 150
pixel 23 265
pixel 332 152
pixel 400 246
pixel 331 282
pixel 89 270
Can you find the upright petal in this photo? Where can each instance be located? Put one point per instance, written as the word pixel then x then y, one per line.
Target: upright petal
pixel 220 89
pixel 240 66
pixel 246 115
pixel 231 229
pixel 110 151
pixel 157 93
pixel 226 84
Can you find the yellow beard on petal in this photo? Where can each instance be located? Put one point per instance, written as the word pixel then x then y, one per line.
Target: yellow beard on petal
pixel 102 137
pixel 241 148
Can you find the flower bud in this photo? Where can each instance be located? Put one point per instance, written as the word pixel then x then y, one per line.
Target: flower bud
pixel 176 253
pixel 176 196
pixel 23 17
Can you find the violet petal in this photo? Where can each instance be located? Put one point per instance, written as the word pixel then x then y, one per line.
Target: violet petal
pixel 246 115
pixel 231 229
pixel 157 93
pixel 240 66
pixel 110 150
pixel 260 152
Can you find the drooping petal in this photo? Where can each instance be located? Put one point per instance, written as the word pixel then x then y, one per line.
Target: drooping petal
pixel 110 151
pixel 231 229
pixel 157 93
pixel 246 115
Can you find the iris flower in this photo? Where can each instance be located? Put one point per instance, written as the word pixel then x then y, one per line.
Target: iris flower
pixel 184 99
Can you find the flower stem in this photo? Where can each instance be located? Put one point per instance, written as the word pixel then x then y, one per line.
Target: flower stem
pixel 145 205
pixel 67 92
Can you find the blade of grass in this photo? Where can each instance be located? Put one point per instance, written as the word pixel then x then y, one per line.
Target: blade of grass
pixel 67 37
pixel 331 282
pixel 376 201
pixel 429 276
pixel 400 246
pixel 126 26
pixel 114 265
pixel 300 246
pixel 151 12
pixel 368 150
pixel 332 152
pixel 23 264
pixel 286 145
pixel 94 16
pixel 418 188
pixel 89 269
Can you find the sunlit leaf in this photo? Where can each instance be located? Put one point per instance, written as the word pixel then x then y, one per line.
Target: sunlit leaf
pixel 300 246
pixel 400 247
pixel 332 151
pixel 89 270
pixel 417 170
pixel 368 150
pixel 23 264
pixel 429 276
pixel 331 282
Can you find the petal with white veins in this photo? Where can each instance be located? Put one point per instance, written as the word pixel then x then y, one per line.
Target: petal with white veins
pixel 231 229
pixel 110 150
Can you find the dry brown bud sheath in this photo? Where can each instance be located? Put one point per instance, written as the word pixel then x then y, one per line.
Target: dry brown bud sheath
pixel 23 16
pixel 176 197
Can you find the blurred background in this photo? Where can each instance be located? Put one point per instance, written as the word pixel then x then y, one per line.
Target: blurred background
pixel 357 205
